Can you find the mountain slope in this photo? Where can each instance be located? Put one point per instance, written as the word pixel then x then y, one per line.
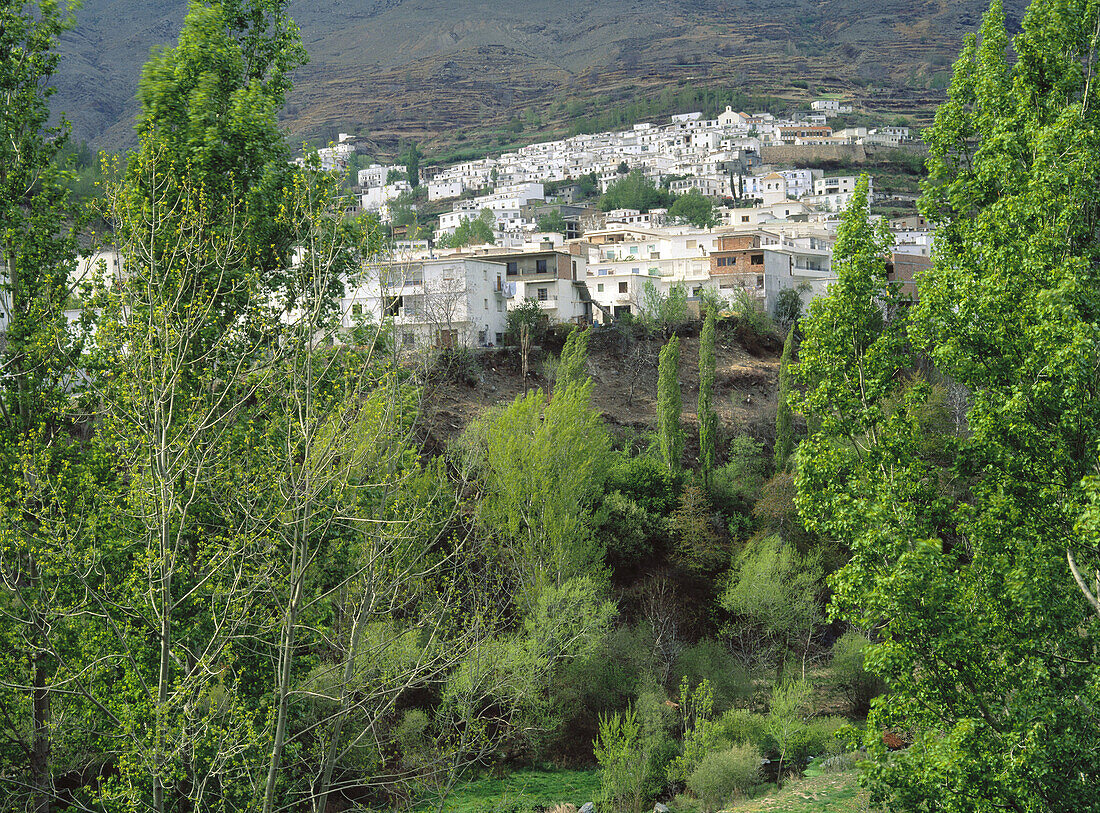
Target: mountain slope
pixel 425 69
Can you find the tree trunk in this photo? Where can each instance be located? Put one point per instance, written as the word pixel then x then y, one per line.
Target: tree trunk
pixel 41 775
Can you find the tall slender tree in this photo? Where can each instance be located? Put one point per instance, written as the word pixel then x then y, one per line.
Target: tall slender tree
pixel 38 226
pixel 959 544
pixel 708 416
pixel 670 434
pixel 574 357
pixel 784 429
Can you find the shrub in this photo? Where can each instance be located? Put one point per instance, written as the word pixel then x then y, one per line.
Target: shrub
pixel 846 761
pixel 709 660
pixel 646 480
pixel 850 677
pixel 742 726
pixel 752 316
pixel 460 365
pixel 815 737
pixel 594 684
pixel 627 530
pixel 623 759
pixel 735 486
pixel 723 775
pixel 657 721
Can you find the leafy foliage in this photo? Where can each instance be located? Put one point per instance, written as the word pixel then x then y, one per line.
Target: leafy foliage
pixel 722 776
pixel 543 463
pixel 708 415
pixel 961 549
pixel 784 429
pixel 775 589
pixel 551 222
pixel 695 209
pixel 633 191
pixel 471 231
pixel 670 435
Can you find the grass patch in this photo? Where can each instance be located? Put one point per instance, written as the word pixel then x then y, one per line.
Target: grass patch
pixel 829 792
pixel 524 790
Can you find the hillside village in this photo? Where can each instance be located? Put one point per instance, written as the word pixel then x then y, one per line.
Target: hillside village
pixel 774 231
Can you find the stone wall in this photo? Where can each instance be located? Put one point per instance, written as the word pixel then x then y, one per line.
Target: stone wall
pixel 802 155
pixel 840 153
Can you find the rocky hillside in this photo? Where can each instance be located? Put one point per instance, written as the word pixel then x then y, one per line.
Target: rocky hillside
pixel 429 70
pixel 624 372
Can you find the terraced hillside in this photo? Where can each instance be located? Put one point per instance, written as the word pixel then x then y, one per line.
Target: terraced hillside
pixel 429 69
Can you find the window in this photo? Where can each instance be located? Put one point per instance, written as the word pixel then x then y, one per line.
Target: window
pixel 540 266
pixel 500 338
pixel 757 259
pixel 541 294
pixel 691 244
pixel 697 290
pixel 512 269
pixel 486 304
pixel 500 306
pixel 759 280
pixel 408 339
pixel 356 309
pixel 599 287
pixel 744 218
pixel 622 287
pixel 635 270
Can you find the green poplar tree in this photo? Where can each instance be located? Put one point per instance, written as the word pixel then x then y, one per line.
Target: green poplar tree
pixel 670 435
pixel 571 365
pixel 708 417
pixel 40 462
pixel 959 545
pixel 209 113
pixel 784 429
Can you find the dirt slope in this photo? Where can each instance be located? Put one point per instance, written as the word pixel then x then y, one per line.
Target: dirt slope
pixel 625 377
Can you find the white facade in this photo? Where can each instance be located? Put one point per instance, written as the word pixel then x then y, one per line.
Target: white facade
pixel 440 190
pixel 448 302
pixel 840 184
pixel 376 175
pixel 375 199
pixel 834 106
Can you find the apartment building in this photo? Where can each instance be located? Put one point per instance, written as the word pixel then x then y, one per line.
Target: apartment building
pixel 442 302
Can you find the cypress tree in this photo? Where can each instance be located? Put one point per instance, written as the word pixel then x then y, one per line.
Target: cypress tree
pixel 784 431
pixel 670 436
pixel 708 417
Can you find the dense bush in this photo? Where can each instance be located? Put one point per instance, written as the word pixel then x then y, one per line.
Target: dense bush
pixel 710 660
pixel 815 737
pixel 723 775
pixel 627 530
pixel 598 683
pixel 460 365
pixel 734 487
pixel 646 480
pixel 632 750
pixel 850 677
pixel 743 726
